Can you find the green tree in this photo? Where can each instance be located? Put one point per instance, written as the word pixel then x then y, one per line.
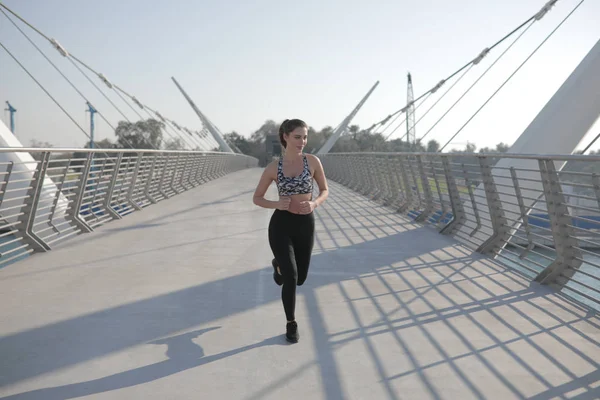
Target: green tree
pixel 145 134
pixel 500 148
pixel 270 127
pixel 238 141
pixel 38 144
pixel 174 144
pixel 433 146
pixel 346 144
pixel 102 144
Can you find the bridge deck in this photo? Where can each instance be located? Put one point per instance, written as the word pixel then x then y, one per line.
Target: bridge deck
pixel 177 302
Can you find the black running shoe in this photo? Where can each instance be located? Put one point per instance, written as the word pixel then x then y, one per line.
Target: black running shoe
pixel 276 276
pixel 291 334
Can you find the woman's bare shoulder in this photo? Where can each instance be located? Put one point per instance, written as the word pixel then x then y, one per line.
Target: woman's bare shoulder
pixel 271 168
pixel 313 160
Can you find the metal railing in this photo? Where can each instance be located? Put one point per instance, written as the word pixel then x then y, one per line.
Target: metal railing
pixel 537 214
pixel 49 195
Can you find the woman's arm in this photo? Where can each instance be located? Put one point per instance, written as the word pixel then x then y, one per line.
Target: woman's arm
pixel 321 181
pixel 263 184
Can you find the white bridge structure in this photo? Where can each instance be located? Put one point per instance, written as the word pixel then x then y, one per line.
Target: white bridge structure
pixel 145 273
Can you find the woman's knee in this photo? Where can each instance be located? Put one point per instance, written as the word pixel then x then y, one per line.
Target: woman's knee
pixel 290 277
pixel 303 270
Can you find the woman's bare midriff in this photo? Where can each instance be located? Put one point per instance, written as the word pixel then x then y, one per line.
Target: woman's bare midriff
pixel 296 199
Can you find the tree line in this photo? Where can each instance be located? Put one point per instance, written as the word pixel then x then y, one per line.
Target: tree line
pixel 355 140
pixel 149 134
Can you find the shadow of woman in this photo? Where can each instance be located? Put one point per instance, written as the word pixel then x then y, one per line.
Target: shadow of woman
pixel 183 354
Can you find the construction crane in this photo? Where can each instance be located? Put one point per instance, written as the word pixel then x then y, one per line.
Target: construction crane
pixel 411 138
pixel 12 112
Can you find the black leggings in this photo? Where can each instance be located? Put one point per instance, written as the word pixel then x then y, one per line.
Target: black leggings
pixel 291 237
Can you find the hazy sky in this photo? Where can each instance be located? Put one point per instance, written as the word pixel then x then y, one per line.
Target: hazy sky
pixel 245 62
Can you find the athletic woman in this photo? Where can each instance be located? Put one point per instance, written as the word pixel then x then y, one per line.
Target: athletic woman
pixel 292 225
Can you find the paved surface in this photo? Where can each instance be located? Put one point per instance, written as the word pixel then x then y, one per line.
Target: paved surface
pixel 177 302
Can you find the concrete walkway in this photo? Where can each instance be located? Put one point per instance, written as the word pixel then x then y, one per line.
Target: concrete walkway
pixel 177 302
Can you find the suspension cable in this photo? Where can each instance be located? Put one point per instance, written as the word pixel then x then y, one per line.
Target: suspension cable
pixel 164 127
pixel 44 89
pixel 537 16
pixel 488 69
pixel 97 88
pixel 430 108
pixel 591 144
pixel 405 117
pixel 164 121
pixel 58 70
pixel 514 72
pixel 401 122
pixel 142 106
pixel 444 95
pixel 57 45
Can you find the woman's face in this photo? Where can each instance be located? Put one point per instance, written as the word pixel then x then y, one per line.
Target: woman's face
pixel 296 140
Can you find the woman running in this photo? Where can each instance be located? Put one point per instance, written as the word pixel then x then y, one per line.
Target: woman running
pixel 292 225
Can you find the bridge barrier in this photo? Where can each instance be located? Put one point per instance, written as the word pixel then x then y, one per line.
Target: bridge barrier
pixel 539 214
pixel 49 195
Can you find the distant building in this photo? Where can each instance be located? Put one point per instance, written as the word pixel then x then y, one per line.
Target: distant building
pixel 272 148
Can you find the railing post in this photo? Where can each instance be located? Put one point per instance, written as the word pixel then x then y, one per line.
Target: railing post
pixel 343 170
pixel 351 176
pixel 124 176
pixel 149 180
pixel 394 183
pixel 31 204
pixel 174 176
pixel 386 187
pixel 596 183
pixel 381 183
pixel 356 183
pixel 72 212
pixel 98 180
pixel 458 211
pixel 364 187
pixel 201 167
pixel 568 256
pixel 183 167
pixel 473 202
pixel 209 171
pixel 161 190
pixel 363 179
pixel 443 209
pixel 4 184
pixel 134 178
pixel 219 171
pixel 429 206
pixel 190 173
pixel 523 212
pixel 216 166
pixel 414 182
pixel 206 169
pixel 500 228
pixel 370 189
pixel 111 187
pixel 225 160
pixel 408 199
pixel 330 169
pixel 59 191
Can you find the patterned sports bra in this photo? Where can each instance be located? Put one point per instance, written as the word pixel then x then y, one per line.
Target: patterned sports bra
pixel 301 184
